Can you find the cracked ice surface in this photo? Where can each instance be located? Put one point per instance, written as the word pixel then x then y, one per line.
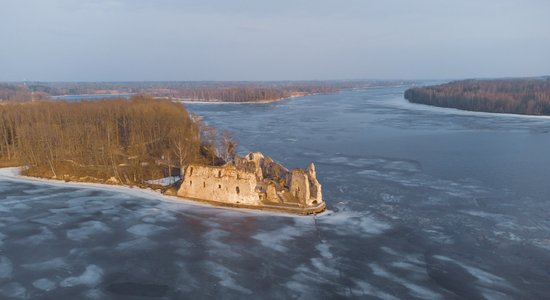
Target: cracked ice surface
pixel 414 213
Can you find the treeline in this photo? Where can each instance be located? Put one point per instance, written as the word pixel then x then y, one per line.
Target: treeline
pixel 19 93
pixel 249 93
pixel 127 141
pixel 214 90
pixel 235 91
pixel 517 96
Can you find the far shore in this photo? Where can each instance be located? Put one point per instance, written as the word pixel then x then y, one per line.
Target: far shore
pixel 459 111
pixel 114 95
pixel 201 101
pixel 14 174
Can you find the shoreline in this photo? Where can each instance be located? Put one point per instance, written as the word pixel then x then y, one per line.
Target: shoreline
pixel 98 96
pixel 14 174
pixel 199 101
pixel 458 111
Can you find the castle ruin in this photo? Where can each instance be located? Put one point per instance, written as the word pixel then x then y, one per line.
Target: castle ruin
pixel 254 181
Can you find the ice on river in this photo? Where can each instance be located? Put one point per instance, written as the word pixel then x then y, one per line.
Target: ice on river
pixel 421 205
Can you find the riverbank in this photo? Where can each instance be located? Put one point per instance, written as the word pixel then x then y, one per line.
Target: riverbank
pixel 14 173
pixel 91 96
pixel 201 101
pixel 406 104
pixel 523 96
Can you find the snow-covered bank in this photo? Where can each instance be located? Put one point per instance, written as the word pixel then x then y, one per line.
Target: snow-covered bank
pixel 14 174
pixel 198 101
pixel 401 102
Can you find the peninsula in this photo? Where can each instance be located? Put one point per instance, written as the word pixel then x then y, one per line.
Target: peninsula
pixel 526 96
pixel 136 141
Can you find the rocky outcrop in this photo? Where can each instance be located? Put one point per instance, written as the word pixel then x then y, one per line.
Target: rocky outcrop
pixel 254 181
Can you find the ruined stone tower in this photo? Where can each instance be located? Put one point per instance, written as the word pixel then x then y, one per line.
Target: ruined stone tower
pixel 254 181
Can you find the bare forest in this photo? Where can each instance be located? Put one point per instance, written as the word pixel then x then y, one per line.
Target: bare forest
pixel 516 96
pixel 123 141
pixel 192 91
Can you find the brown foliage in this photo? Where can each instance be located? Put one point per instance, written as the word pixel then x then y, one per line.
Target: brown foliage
pixel 132 140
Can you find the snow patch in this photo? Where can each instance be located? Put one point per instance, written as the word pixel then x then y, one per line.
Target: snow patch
pixel 401 102
pixel 365 288
pixel 275 239
pixel 51 264
pixel 95 294
pixel 145 229
pixel 6 268
pixel 45 235
pixel 345 221
pixel 10 172
pixel 483 277
pixel 323 267
pixel 226 279
pixel 44 284
pixel 494 295
pixel 389 250
pixel 415 289
pixel 324 250
pixel 86 230
pixel 141 243
pixel 91 277
pixel 13 290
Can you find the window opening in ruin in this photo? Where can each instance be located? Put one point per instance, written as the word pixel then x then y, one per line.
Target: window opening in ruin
pixel 219 186
pixel 204 184
pixel 190 182
pixel 191 171
pixel 220 173
pixel 238 190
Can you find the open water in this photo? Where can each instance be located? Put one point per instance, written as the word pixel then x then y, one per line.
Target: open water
pixel 424 203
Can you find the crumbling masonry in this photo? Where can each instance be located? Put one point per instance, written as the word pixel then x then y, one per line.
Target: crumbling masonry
pixel 255 181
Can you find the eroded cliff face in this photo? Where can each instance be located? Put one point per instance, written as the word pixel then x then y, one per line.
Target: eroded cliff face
pixel 253 180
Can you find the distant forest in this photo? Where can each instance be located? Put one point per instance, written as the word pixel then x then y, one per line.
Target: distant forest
pixel 19 93
pixel 516 96
pixel 194 91
pixel 125 141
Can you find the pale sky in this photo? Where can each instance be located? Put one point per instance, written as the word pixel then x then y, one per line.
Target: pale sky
pixel 134 40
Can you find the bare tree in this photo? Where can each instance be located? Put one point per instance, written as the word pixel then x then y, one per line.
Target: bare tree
pixel 229 147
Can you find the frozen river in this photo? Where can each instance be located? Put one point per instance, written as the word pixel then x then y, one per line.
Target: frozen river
pixel 424 203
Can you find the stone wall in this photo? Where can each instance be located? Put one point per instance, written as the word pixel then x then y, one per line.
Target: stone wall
pixel 222 184
pixel 315 193
pixel 299 186
pixel 253 180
